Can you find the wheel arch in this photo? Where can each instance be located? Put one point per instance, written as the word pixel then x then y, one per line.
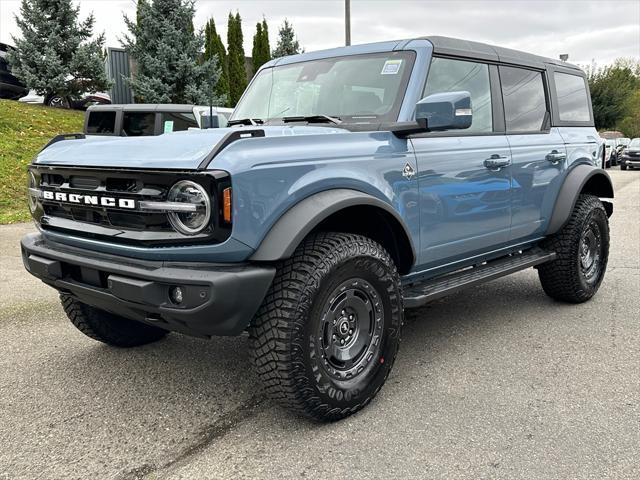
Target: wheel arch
pixel 344 210
pixel 582 179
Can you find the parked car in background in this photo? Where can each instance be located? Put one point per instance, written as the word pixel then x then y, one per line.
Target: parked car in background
pixel 62 101
pixel 621 144
pixel 610 153
pixel 10 87
pixel 135 120
pixel 630 156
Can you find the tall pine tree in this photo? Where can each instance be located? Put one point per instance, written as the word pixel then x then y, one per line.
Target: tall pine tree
pixel 237 72
pixel 215 47
pixel 261 52
pixel 168 54
pixel 55 54
pixel 287 41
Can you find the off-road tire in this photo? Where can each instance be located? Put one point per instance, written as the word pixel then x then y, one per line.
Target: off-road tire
pixel 108 328
pixel 563 278
pixel 288 334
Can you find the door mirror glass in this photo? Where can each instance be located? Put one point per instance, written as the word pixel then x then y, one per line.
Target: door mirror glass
pixel 445 111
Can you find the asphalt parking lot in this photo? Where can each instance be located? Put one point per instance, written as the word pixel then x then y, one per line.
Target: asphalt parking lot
pixel 495 382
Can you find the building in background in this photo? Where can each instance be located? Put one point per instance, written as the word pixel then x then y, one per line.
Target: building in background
pixel 119 67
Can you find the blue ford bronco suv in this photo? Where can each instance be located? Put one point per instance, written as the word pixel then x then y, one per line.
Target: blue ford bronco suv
pixel 351 184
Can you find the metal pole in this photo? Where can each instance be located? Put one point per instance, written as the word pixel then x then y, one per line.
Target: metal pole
pixel 347 22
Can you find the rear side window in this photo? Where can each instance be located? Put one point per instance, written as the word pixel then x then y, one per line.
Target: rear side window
pixel 136 124
pixel 101 123
pixel 573 103
pixel 525 105
pixel 446 75
pixel 175 122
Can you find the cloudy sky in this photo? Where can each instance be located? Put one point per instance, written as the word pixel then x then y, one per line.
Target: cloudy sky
pixel 586 30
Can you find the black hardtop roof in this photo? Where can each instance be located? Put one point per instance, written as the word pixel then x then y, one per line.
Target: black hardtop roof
pixel 466 48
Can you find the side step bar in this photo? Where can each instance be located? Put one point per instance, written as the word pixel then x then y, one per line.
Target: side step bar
pixel 417 294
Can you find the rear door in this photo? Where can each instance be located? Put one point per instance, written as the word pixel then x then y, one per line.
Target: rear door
pixel 538 153
pixel 464 200
pixel 573 114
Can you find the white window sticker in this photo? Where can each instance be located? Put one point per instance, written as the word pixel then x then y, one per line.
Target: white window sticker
pixel 391 67
pixel 168 126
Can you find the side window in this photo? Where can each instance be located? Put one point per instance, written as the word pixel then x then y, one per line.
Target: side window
pixel 176 122
pixel 573 103
pixel 525 105
pixel 101 122
pixel 135 124
pixel 446 75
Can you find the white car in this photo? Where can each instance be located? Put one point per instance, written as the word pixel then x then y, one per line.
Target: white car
pixel 61 101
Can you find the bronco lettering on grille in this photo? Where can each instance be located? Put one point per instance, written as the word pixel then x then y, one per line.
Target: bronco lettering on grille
pixel 89 199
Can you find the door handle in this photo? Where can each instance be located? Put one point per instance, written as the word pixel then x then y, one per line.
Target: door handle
pixel 496 162
pixel 555 156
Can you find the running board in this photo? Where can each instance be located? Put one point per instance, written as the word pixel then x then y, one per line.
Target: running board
pixel 417 294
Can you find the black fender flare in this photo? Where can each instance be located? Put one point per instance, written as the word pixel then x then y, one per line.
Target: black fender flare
pixel 297 222
pixel 597 182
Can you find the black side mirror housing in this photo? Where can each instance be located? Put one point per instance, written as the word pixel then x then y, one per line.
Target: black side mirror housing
pixel 438 112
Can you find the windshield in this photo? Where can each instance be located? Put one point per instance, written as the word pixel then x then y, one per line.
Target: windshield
pixel 635 143
pixel 623 141
pixel 358 88
pixel 610 143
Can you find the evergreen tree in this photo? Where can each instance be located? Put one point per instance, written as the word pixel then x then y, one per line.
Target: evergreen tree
pixel 56 54
pixel 611 88
pixel 167 51
pixel 215 47
pixel 261 52
pixel 237 72
pixel 287 42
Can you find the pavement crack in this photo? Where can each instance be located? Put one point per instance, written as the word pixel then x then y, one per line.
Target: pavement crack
pixel 208 435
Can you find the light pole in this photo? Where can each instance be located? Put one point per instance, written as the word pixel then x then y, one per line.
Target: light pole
pixel 347 22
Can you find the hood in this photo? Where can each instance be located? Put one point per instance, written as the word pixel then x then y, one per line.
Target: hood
pixel 177 150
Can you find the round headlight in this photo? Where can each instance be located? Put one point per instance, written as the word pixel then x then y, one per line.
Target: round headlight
pixel 33 196
pixel 197 219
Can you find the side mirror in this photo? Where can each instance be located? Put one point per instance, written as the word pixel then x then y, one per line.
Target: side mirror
pixel 445 111
pixel 437 112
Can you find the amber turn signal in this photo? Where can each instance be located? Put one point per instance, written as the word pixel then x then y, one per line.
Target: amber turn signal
pixel 226 205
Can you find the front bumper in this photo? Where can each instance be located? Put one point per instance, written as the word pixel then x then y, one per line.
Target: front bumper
pixel 630 162
pixel 218 299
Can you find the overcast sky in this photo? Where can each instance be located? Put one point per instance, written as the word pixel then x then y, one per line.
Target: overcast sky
pixel 586 30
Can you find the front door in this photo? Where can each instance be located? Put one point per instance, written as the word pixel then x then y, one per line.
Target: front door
pixel 464 176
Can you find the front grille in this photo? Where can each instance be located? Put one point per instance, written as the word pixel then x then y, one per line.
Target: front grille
pixel 123 225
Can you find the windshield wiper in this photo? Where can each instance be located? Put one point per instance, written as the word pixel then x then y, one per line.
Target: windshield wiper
pixel 313 119
pixel 246 121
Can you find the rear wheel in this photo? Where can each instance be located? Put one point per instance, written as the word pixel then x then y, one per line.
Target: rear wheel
pixel 623 166
pixel 108 328
pixel 327 334
pixel 582 249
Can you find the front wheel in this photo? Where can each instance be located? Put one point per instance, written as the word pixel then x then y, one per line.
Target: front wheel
pixel 582 249
pixel 623 166
pixel 327 334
